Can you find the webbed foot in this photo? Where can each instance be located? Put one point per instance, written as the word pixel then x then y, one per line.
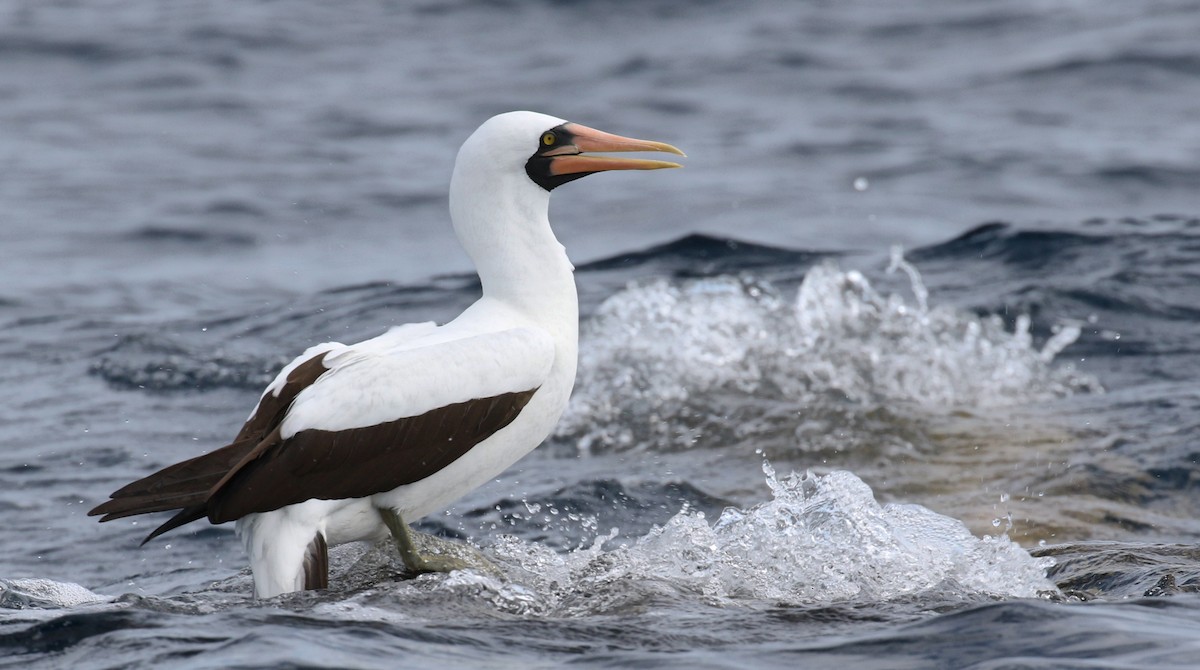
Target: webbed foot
pixel 414 562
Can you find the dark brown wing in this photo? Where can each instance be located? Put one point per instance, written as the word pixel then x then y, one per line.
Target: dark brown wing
pixel 271 409
pixel 260 472
pixel 187 485
pixel 359 462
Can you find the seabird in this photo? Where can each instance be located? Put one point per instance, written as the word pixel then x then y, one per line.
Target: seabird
pixel 349 441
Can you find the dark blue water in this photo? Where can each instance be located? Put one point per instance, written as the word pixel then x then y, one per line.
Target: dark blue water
pixel 994 426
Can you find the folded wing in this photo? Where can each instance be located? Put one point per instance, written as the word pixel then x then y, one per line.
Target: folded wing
pixel 349 422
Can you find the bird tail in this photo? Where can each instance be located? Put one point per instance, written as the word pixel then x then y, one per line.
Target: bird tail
pixel 184 486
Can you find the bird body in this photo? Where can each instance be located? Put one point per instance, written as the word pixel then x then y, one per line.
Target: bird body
pixel 394 376
pixel 349 439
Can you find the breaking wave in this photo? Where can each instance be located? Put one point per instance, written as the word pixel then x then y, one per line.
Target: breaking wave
pixel 821 539
pixel 660 360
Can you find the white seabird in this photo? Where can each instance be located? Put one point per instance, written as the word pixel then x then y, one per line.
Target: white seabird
pixel 348 441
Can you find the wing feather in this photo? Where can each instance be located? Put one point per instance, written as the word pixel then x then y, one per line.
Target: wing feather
pixel 365 387
pixel 359 462
pixel 349 421
pixel 190 482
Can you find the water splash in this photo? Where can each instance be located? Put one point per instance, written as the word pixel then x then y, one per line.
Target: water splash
pixel 821 539
pixel 36 593
pixel 659 360
pixel 876 348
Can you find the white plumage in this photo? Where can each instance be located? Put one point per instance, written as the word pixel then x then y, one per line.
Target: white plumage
pixel 509 358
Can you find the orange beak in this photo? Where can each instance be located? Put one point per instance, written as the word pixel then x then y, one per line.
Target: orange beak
pixel 568 159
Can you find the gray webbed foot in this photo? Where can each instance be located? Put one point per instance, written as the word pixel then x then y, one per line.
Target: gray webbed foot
pixel 416 563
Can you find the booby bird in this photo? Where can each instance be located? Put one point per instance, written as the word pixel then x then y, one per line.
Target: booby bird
pixel 350 441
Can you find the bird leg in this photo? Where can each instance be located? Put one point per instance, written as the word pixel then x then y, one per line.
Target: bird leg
pixel 415 562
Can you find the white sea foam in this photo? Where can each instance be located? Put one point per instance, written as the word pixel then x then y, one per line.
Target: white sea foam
pixel 658 356
pixel 821 539
pixel 36 593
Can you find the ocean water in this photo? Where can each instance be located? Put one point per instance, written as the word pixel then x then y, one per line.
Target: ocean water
pixel 898 372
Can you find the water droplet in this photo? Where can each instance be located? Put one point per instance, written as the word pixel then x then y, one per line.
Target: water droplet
pixel 861 184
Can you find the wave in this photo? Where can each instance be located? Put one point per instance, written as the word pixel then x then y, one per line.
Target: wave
pixel 1122 62
pixel 16 45
pixel 820 539
pixel 699 255
pixel 147 362
pixel 37 593
pixel 660 361
pixel 218 351
pixel 198 236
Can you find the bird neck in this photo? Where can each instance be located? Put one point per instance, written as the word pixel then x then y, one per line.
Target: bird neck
pixel 503 224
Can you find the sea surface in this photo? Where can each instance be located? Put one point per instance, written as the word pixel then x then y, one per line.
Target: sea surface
pixel 899 372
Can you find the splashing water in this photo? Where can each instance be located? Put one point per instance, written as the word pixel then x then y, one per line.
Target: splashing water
pixel 34 593
pixel 664 356
pixel 820 540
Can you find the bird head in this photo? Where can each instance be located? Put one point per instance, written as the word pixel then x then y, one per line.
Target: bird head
pixel 553 151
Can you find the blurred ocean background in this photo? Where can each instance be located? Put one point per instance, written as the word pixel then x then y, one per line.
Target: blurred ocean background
pixel 899 371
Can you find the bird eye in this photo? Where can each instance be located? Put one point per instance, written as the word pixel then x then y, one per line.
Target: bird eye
pixel 549 139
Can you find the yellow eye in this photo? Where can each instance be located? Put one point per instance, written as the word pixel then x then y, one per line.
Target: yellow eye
pixel 549 139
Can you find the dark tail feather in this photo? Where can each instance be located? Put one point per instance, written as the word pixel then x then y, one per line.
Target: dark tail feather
pixel 316 564
pixel 119 508
pixel 185 516
pixel 184 486
pixel 194 474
